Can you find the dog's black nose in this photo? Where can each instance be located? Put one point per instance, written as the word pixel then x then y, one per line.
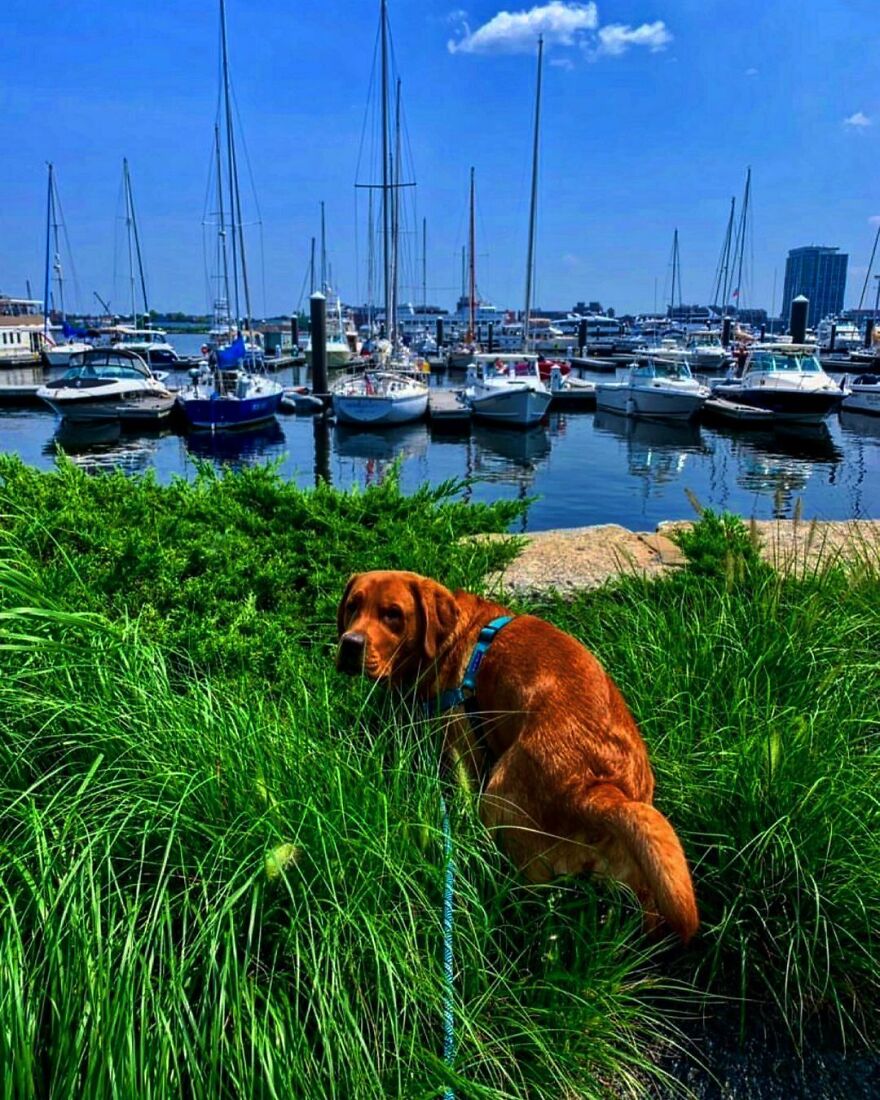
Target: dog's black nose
pixel 350 656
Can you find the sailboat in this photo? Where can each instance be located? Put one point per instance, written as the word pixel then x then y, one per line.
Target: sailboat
pixel 231 391
pixel 341 332
pixel 387 395
pixel 57 354
pixel 508 388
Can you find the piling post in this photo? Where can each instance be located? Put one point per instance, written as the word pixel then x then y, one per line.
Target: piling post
pixel 869 332
pixel 763 332
pixel 318 315
pixel 439 333
pixel 725 332
pixel 294 331
pixel 582 337
pixel 797 319
pixel 832 339
pixel 491 343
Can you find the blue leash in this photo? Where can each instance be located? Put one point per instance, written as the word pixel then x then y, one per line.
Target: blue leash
pixel 449 988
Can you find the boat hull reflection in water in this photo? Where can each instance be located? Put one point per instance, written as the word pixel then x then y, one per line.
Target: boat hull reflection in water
pixel 244 447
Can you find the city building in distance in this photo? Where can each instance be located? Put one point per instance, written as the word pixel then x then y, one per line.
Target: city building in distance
pixel 819 273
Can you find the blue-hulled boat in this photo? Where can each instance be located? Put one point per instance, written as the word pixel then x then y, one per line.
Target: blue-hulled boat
pixel 230 391
pixel 225 394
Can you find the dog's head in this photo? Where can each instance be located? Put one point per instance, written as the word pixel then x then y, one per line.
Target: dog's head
pixel 392 624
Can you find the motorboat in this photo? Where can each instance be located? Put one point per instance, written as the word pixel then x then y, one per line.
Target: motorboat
pixel 655 389
pixel 706 351
pixel 787 379
pixel 224 393
pixel 846 335
pixel 862 394
pixel 507 389
pixel 108 384
pixel 378 398
pixel 151 344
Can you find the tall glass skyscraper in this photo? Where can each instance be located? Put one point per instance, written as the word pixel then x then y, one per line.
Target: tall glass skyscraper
pixel 819 273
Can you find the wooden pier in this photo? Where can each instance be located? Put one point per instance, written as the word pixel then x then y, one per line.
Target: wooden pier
pixel 447 407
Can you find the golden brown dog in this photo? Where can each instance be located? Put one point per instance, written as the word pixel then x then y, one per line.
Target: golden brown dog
pixel 563 769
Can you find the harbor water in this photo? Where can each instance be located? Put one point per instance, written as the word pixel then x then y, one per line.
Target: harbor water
pixel 580 467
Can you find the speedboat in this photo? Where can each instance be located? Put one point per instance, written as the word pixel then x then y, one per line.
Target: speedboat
pixel 507 389
pixel 862 394
pixel 108 384
pixel 151 344
pixel 786 379
pixel 706 351
pixel 227 393
pixel 654 389
pixel 378 398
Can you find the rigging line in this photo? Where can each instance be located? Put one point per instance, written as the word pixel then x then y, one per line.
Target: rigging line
pixel 63 223
pixel 368 111
pixel 870 269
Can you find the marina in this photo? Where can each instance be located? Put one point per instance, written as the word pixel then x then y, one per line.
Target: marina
pixel 581 466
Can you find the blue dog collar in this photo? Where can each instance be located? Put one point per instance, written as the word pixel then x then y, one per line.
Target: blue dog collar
pixel 456 697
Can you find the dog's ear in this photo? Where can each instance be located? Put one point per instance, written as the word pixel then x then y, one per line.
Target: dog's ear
pixel 439 613
pixel 340 610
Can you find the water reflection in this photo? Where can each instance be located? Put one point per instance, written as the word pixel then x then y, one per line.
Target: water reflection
pixel 520 448
pixel 657 451
pixel 385 444
pixel 102 446
pixel 239 448
pixel 780 463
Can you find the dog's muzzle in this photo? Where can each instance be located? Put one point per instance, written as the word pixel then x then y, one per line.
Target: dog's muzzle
pixel 351 653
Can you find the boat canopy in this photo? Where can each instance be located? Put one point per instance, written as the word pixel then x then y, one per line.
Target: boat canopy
pixel 660 368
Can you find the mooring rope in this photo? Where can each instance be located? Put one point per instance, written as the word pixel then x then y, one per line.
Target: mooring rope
pixel 449 988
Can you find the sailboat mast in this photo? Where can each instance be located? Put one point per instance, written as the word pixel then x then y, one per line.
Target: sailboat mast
pixel 867 273
pixel 230 156
pixel 395 217
pixel 134 319
pixel 222 214
pixel 742 237
pixel 534 202
pixel 676 275
pixel 722 279
pixel 472 272
pixel 137 240
pixel 424 263
pixel 386 235
pixel 323 252
pixel 46 284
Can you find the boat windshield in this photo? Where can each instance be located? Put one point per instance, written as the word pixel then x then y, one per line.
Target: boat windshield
pixel 765 361
pixel 103 365
pixel 655 368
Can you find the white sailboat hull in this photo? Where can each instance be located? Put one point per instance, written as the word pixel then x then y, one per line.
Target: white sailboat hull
pixel 378 409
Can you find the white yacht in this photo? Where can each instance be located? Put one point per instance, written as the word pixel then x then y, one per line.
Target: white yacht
pixel 379 398
pixel 862 394
pixel 108 384
pixel 785 379
pixel 507 388
pixel 846 335
pixel 655 389
pixel 706 351
pixel 151 344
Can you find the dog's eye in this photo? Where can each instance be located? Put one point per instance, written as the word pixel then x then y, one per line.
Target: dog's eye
pixel 352 605
pixel 392 615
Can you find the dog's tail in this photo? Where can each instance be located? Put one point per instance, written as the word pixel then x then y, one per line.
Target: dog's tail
pixel 652 843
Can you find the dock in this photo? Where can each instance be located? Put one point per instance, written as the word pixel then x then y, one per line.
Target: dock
pixel 448 407
pixel 722 409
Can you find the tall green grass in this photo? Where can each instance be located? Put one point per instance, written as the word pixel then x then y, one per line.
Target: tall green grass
pixel 221 869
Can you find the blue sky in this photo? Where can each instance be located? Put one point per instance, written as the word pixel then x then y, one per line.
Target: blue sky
pixel 652 111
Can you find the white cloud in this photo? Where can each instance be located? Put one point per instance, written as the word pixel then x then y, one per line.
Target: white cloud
pixel 859 119
pixel 616 38
pixel 561 24
pixel 562 63
pixel 874 219
pixel 751 72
